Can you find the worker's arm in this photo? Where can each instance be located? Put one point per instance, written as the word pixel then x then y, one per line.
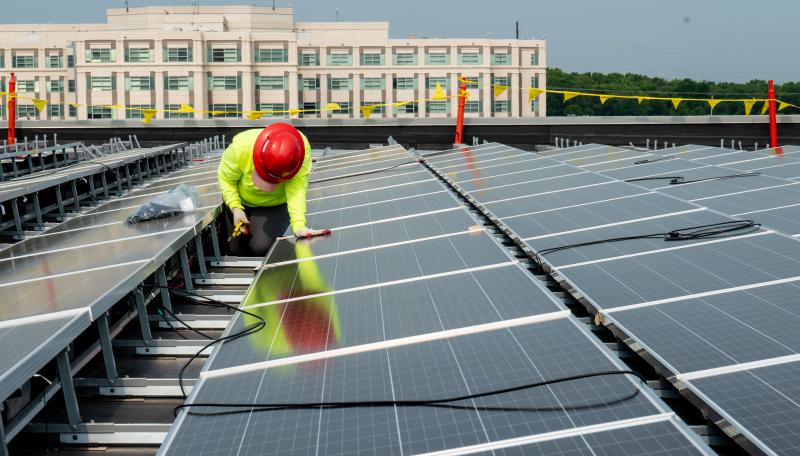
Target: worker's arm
pixel 296 194
pixel 229 175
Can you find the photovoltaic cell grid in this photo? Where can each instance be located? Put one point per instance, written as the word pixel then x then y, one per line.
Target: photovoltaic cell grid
pixel 53 285
pixel 420 305
pixel 717 316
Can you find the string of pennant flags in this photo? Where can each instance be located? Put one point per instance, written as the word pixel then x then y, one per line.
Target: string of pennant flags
pixel 148 114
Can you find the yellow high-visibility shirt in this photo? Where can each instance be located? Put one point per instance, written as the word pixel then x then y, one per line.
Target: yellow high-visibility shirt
pixel 235 175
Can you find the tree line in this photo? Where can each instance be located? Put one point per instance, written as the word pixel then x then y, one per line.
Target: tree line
pixel 637 84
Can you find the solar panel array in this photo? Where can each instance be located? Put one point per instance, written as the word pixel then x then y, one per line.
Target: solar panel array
pixel 54 285
pixel 412 298
pixel 716 316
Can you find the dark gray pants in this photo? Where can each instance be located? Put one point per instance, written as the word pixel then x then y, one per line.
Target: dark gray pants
pixel 266 224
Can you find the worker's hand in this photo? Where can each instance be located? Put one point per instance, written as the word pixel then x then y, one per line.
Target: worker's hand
pixel 307 233
pixel 240 217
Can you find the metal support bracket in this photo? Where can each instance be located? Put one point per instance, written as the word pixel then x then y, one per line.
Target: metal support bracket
pixel 144 321
pixel 68 388
pixel 107 348
pixel 187 273
pixel 161 275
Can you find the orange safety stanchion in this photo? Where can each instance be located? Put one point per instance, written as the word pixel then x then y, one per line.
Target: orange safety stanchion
pixel 773 120
pixel 12 109
pixel 462 98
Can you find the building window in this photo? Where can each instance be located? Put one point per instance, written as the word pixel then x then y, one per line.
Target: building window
pixel 436 106
pixel 224 55
pixel 102 83
pixel 27 86
pixel 138 55
pixel 274 109
pixel 501 59
pixel 437 58
pixel 372 83
pixel 224 110
pixel 371 59
pixel 27 111
pixel 272 56
pixel 73 111
pixel 473 82
pixel 71 62
pixel 178 54
pixel 430 83
pixel 223 83
pixel 535 81
pixel 469 58
pixel 312 109
pixel 55 85
pixel 339 83
pixel 472 106
pixel 309 59
pixel 345 108
pixel 501 80
pixel 404 83
pixel 24 61
pixel 340 59
pixel 377 109
pixel 137 112
pixel 98 112
pixel 55 110
pixel 71 85
pixel 2 60
pixel 139 83
pixel 410 108
pixel 309 83
pixel 178 82
pixel 405 58
pixel 54 61
pixel 534 58
pixel 171 112
pixel 535 105
pixel 501 106
pixel 103 55
pixel 271 83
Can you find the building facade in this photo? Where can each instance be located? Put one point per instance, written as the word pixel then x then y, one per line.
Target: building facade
pixel 243 58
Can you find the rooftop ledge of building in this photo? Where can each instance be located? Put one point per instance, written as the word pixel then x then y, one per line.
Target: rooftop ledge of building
pixel 402 122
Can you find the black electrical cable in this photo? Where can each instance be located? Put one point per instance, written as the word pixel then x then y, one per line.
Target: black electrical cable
pixel 653 160
pixel 362 173
pixel 209 302
pixel 713 230
pixel 649 178
pixel 731 176
pixel 439 403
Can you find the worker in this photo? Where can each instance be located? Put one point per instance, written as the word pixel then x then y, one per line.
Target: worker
pixel 263 176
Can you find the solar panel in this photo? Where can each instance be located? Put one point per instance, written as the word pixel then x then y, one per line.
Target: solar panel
pixel 411 299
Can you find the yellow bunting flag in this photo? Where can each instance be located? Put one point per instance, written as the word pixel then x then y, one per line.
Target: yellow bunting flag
pixel 74 105
pixel 676 102
pixel 366 111
pixel 534 93
pixel 185 108
pixel 748 106
pixel 764 108
pixel 603 99
pixel 465 94
pixel 400 104
pixel 713 103
pixel 255 115
pixel 148 115
pixel 293 112
pixel 640 99
pixel 2 94
pixel 39 103
pixel 438 94
pixel 782 105
pixel 570 95
pixel 332 106
pixel 499 89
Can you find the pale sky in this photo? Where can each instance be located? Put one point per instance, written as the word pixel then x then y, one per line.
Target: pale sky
pixel 720 40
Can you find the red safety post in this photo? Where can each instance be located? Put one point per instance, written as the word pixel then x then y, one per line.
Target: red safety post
pixel 462 99
pixel 12 109
pixel 773 117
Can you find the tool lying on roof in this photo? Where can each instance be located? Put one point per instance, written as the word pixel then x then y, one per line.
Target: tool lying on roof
pixel 362 173
pixel 677 180
pixel 714 230
pixel 653 160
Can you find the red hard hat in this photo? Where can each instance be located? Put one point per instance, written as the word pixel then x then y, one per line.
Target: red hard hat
pixel 278 153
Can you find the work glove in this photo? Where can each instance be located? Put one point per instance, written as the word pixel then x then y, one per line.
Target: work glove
pixel 309 233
